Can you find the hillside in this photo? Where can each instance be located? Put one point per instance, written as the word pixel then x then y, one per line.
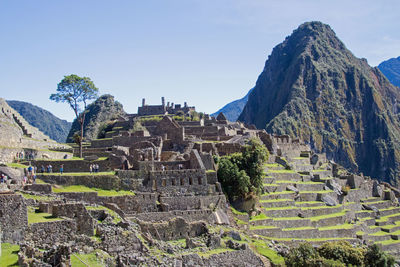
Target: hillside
pixel 98 113
pixel 56 128
pixel 233 109
pixel 312 87
pixel 391 69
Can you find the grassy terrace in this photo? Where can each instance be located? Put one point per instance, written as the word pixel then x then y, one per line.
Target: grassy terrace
pixel 302 208
pixel 36 197
pixel 259 217
pixel 236 212
pixel 313 219
pixel 275 200
pixel 37 217
pixel 281 171
pixel 262 227
pixel 100 192
pixel 388 242
pixel 386 218
pixel 308 239
pixel 94 259
pixel 77 173
pixel 295 182
pixel 9 255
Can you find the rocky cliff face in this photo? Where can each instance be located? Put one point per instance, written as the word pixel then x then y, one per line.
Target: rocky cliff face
pixel 391 69
pixel 233 109
pixel 46 122
pixel 313 88
pixel 99 112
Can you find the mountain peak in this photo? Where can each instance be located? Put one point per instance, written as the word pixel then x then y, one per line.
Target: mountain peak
pixel 312 87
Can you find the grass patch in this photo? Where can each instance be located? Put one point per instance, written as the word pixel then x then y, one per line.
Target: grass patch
pixel 262 227
pixel 259 217
pixel 388 242
pixel 299 228
pixel 38 217
pixel 337 227
pixel 274 257
pixel 281 171
pixel 116 219
pixel 77 173
pixel 240 222
pixel 100 192
pixel 278 193
pixel 380 233
pixel 326 216
pixel 35 197
pixel 316 192
pixel 236 212
pixel 91 259
pixel 275 200
pixel 9 255
pixel 16 165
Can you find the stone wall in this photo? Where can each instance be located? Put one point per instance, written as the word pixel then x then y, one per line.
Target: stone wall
pixel 189 215
pixel 73 165
pixel 108 182
pixel 193 202
pixel 52 232
pixel 77 212
pixel 13 217
pixel 176 228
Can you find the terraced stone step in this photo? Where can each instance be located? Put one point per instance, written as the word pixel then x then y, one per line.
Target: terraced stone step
pixel 312 241
pixel 309 203
pixel 382 204
pixel 322 173
pixel 305 212
pixel 387 220
pixel 390 228
pixel 277 203
pixel 278 195
pixel 389 211
pixel 370 199
pixel 378 236
pixel 284 175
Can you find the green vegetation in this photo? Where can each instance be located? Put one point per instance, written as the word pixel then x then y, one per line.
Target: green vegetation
pixel 37 217
pixel 94 259
pixel 78 173
pixel 116 217
pixel 241 174
pixel 258 217
pixel 340 253
pixel 16 165
pixel 262 227
pixel 236 212
pixel 9 255
pixel 36 197
pixel 100 192
pixel 74 91
pixel 263 250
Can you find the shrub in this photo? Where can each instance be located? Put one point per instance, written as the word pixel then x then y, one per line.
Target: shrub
pixel 303 255
pixel 376 257
pixel 342 251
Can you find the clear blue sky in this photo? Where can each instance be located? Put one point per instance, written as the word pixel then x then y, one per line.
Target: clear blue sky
pixel 205 52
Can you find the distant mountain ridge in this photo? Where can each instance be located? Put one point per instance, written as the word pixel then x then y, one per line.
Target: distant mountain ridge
pixel 56 128
pixel 313 88
pixel 391 69
pixel 233 109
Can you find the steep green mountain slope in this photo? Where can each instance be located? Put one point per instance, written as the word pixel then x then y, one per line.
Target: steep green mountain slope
pixel 233 109
pixel 391 69
pixel 100 111
pixel 56 128
pixel 313 88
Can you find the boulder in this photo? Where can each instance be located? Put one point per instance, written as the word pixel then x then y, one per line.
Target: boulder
pixel 235 235
pixel 333 185
pixel 328 200
pixel 292 188
pixel 213 241
pixel 314 159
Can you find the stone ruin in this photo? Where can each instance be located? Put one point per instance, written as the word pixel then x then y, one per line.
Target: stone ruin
pixel 168 164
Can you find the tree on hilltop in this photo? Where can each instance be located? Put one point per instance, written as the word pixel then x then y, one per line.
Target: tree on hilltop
pixel 76 91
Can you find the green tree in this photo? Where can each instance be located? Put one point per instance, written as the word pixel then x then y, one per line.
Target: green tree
pixel 76 91
pixel 241 173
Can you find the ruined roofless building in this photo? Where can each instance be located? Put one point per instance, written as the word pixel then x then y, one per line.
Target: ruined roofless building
pixel 148 110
